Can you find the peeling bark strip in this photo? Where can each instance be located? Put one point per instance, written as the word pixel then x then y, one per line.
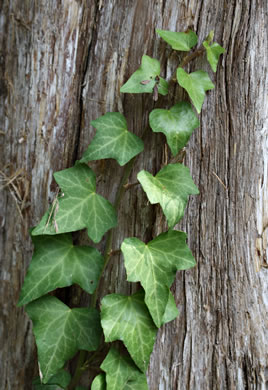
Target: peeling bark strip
pixel 61 65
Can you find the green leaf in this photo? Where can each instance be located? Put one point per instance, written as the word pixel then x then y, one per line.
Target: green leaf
pixel 60 332
pixel 121 372
pixel 149 71
pixel 99 383
pixel 171 311
pixel 177 124
pixel 170 187
pixel 113 140
pixel 127 318
pixel 214 50
pixel 154 265
pixel 196 84
pixel 78 207
pixel 58 263
pixel 56 382
pixel 182 41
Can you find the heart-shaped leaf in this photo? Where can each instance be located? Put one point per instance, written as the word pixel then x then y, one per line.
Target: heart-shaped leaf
pixel 99 383
pixel 60 332
pixel 177 124
pixel 145 78
pixel 170 187
pixel 127 318
pixel 154 265
pixel 196 84
pixel 78 206
pixel 58 263
pixel 121 372
pixel 182 41
pixel 112 140
pixel 56 382
pixel 214 50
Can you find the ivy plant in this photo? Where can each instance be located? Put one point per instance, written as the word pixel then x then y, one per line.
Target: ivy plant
pixel 118 334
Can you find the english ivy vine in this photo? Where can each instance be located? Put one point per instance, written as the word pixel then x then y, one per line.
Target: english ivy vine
pixel 60 331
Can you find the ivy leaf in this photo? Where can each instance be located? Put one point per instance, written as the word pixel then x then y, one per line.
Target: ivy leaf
pixel 177 124
pixel 60 332
pixel 56 382
pixel 113 140
pixel 58 263
pixel 145 78
pixel 170 187
pixel 214 50
pixel 99 383
pixel 127 318
pixel 182 41
pixel 154 265
pixel 196 84
pixel 121 372
pixel 78 207
pixel 171 311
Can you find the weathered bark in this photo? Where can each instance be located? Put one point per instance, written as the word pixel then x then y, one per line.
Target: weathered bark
pixel 62 64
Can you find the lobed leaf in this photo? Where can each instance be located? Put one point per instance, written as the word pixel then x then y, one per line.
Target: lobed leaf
pixel 112 140
pixel 60 332
pixel 127 318
pixel 58 263
pixel 196 84
pixel 214 50
pixel 121 372
pixel 79 206
pixel 154 265
pixel 148 72
pixel 177 124
pixel 170 187
pixel 182 41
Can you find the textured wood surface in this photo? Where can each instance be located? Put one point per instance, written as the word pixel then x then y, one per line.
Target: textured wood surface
pixel 61 65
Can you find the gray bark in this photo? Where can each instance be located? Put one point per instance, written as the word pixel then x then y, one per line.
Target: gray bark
pixel 61 65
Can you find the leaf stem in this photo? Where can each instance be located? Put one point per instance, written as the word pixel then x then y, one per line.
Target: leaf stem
pixel 189 57
pixel 78 370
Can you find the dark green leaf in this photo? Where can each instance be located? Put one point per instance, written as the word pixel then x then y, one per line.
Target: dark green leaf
pixel 148 72
pixel 99 383
pixel 60 332
pixel 177 124
pixel 182 41
pixel 196 84
pixel 122 372
pixel 113 140
pixel 78 207
pixel 154 265
pixel 127 318
pixel 170 187
pixel 58 263
pixel 56 382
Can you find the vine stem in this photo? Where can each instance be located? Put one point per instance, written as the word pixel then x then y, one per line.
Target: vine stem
pixel 107 255
pixel 108 247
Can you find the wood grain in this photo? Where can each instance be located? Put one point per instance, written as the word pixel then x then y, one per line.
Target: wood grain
pixel 61 65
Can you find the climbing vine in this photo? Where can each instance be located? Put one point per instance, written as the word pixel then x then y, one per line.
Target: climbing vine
pixel 61 332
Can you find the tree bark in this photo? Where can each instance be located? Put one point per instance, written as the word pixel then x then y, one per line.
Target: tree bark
pixel 61 65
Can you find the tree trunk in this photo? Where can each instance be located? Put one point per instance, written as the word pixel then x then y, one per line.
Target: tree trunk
pixel 61 65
